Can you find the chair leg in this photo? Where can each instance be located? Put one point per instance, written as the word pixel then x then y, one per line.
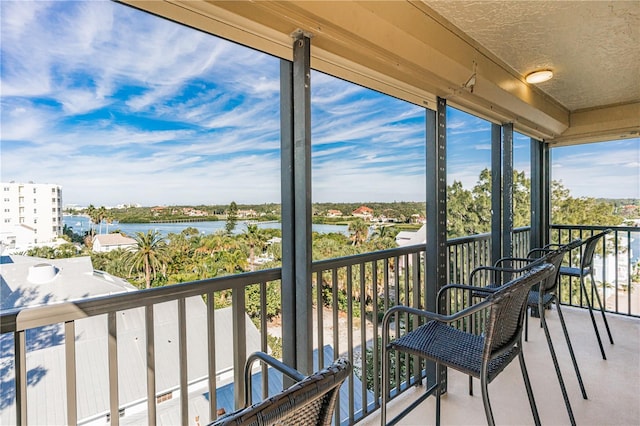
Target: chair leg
pixel 385 384
pixel 573 356
pixel 563 388
pixel 526 325
pixel 593 319
pixel 527 384
pixel 485 400
pixel 602 309
pixel 438 398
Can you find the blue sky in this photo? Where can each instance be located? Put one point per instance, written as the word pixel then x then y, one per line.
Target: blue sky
pixel 118 106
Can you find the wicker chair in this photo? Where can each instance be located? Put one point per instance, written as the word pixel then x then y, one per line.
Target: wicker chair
pixel 540 298
pixel 310 401
pixel 586 268
pixel 482 356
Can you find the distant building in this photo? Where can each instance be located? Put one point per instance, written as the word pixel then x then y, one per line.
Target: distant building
pixel 109 242
pixel 30 281
pixel 31 214
pixel 334 213
pixel 363 212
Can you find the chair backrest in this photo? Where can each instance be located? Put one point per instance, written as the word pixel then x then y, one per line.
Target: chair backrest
pixel 590 248
pixel 504 323
pixel 554 257
pixel 310 401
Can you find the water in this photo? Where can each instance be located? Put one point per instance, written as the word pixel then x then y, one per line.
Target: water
pixel 81 224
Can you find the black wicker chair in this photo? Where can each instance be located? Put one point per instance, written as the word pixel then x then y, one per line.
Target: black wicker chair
pixel 483 356
pixel 310 401
pixel 586 269
pixel 540 298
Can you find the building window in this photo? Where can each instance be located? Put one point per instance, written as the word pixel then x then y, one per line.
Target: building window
pixel 6 200
pixel 35 220
pixel 6 188
pixel 34 190
pixel 7 221
pixel 53 210
pixel 53 200
pixel 35 211
pixel 54 228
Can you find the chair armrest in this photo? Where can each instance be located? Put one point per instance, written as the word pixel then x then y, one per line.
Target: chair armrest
pixel 271 361
pixel 432 315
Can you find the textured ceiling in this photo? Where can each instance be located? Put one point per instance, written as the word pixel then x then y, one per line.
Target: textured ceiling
pixel 593 47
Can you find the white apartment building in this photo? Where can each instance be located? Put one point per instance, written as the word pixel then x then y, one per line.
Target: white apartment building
pixel 31 214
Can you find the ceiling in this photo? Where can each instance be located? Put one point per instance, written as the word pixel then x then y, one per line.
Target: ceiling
pixel 418 50
pixel 593 47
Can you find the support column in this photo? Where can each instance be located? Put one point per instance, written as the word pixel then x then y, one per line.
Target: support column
pixel 436 259
pixel 295 113
pixel 507 190
pixel 496 192
pixel 540 194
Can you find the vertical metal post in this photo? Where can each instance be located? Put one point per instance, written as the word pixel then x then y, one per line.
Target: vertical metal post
pixel 436 247
pixel 545 221
pixel 70 365
pixel 496 192
pixel 287 190
pixel 540 194
pixel 507 190
pixel 302 200
pixel 20 368
pixel 182 356
pixel 211 354
pixel 239 344
pixel 114 402
pixel 151 365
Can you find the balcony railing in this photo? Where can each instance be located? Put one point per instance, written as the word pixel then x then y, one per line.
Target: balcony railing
pixel 350 296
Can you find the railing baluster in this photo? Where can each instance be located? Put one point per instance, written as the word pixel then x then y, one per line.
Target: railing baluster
pixel 211 356
pixel 263 339
pixel 320 320
pixel 114 403
pixel 151 365
pixel 184 368
pixel 363 335
pixel 350 337
pixel 20 368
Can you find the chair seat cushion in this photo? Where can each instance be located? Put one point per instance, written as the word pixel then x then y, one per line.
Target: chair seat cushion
pixel 532 299
pixel 449 346
pixel 574 272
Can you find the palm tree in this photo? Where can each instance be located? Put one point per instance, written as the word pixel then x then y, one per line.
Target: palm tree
pixel 253 237
pixel 150 255
pixel 359 231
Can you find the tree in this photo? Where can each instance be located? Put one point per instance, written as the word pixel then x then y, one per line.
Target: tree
pixel 359 231
pixel 232 217
pixel 149 256
pixel 253 237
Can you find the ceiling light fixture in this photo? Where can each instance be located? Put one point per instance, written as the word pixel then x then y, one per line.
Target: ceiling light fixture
pixel 539 76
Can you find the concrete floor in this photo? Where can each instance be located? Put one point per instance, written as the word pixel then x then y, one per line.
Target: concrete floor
pixel 613 386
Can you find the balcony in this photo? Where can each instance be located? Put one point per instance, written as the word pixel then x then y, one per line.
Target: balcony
pixel 176 354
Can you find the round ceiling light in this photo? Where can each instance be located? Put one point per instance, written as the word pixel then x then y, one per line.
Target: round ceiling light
pixel 539 76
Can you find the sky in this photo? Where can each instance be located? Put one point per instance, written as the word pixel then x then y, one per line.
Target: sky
pixel 122 107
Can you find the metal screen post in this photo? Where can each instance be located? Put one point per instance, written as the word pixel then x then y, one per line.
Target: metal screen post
pixel 295 112
pixel 436 259
pixel 507 191
pixel 496 192
pixel 540 194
